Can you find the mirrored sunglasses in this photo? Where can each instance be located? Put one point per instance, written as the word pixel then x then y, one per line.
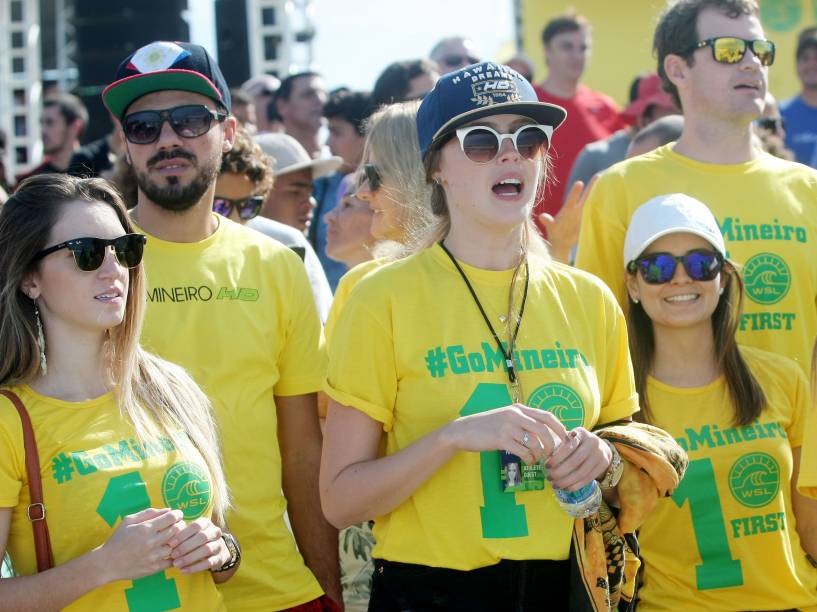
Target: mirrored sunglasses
pixel 89 253
pixel 248 208
pixel 730 50
pixel 659 268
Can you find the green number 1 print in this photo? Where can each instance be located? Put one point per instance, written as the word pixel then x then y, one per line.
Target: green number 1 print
pixel 501 516
pixel 124 495
pixel 718 569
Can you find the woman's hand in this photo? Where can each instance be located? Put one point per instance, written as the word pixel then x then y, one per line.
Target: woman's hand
pixel 582 458
pixel 563 229
pixel 528 433
pixel 139 547
pixel 198 547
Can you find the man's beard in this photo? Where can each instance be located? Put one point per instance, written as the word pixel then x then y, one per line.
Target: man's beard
pixel 172 195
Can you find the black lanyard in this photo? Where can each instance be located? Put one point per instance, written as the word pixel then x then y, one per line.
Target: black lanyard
pixel 509 353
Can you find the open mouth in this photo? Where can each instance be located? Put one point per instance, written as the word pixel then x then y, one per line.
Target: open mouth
pixel 686 298
pixel 109 296
pixel 508 187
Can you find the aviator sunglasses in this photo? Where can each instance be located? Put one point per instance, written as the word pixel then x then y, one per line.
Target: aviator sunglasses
pixel 89 253
pixel 248 208
pixel 481 143
pixel 659 268
pixel 188 121
pixel 730 50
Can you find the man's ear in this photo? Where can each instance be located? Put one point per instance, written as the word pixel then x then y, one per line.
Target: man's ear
pixel 230 124
pixel 677 70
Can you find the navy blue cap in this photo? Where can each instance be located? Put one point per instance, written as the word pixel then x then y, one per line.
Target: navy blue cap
pixel 164 65
pixel 476 91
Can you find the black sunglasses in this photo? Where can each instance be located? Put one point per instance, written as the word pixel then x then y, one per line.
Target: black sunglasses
pixel 373 176
pixel 248 208
pixel 456 60
pixel 89 253
pixel 659 268
pixel 730 50
pixel 188 121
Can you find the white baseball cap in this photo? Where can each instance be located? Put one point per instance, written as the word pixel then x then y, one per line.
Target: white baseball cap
pixel 669 214
pixel 288 155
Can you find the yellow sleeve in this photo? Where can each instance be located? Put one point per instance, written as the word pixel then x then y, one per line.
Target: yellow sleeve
pixel 12 454
pixel 807 480
pixel 362 367
pixel 601 239
pixel 619 399
pixel 800 401
pixel 302 359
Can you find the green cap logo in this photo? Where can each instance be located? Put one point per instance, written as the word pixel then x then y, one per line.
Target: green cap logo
pixel 186 487
pixel 767 278
pixel 755 479
pixel 562 401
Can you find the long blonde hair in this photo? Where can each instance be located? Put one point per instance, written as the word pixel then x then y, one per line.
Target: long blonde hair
pixel 391 138
pixel 156 396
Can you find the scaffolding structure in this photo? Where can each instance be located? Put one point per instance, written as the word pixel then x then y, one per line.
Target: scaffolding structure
pixel 21 78
pixel 280 34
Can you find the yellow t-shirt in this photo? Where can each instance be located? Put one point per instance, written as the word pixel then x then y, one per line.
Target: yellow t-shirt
pixel 344 288
pixel 726 539
pixel 412 351
pixel 94 472
pixel 237 312
pixel 767 212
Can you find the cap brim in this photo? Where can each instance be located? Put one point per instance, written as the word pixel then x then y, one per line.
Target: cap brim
pixel 541 112
pixel 119 95
pixel 319 167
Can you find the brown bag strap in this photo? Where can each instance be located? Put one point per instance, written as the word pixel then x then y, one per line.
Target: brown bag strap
pixel 36 510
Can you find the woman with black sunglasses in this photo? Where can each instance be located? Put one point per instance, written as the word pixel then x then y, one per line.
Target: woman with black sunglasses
pixel 473 353
pixel 735 533
pixel 132 490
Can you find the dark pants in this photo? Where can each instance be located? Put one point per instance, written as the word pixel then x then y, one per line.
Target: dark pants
pixel 512 586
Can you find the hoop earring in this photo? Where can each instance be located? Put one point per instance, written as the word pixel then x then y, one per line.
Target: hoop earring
pixel 40 340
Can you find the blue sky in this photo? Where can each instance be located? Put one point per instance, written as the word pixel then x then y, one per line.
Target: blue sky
pixel 356 39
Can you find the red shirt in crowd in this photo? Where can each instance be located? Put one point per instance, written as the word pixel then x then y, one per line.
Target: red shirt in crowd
pixel 591 116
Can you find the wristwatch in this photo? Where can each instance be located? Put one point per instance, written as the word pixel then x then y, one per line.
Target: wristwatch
pixel 614 472
pixel 235 552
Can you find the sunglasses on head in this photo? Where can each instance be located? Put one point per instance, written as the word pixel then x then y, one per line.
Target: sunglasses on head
pixel 659 268
pixel 373 176
pixel 481 143
pixel 188 121
pixel 730 50
pixel 457 60
pixel 89 253
pixel 248 208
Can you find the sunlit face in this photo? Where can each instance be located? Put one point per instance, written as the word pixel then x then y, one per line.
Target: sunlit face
pixel 387 220
pixel 682 302
pixel 55 132
pixel 290 200
pixel 566 54
pixel 498 194
pixel 807 67
pixel 727 91
pixel 304 108
pixel 345 142
pixel 175 172
pixel 69 298
pixel 235 186
pixel 349 230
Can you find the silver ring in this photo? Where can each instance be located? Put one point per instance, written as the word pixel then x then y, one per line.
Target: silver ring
pixel 525 439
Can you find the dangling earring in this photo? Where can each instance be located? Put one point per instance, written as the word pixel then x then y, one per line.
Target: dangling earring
pixel 40 340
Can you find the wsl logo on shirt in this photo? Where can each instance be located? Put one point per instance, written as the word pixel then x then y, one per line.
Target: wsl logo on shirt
pixel 202 293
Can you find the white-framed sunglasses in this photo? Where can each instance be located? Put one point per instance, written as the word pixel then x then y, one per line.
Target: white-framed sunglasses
pixel 481 143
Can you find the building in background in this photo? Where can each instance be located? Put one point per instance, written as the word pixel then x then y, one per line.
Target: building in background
pixel 257 37
pixel 622 39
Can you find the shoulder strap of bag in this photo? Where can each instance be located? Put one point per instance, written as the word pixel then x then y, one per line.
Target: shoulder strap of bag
pixel 36 510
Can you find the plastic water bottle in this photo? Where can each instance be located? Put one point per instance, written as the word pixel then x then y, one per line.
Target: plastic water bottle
pixel 581 503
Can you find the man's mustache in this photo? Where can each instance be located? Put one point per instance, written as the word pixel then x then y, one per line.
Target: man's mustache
pixel 174 154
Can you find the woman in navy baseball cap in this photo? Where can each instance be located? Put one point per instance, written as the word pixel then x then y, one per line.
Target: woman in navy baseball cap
pixel 474 353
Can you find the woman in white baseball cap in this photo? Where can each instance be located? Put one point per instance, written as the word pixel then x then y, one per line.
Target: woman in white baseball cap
pixel 726 539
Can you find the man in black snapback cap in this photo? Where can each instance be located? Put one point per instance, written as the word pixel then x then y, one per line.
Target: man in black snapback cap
pixel 234 308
